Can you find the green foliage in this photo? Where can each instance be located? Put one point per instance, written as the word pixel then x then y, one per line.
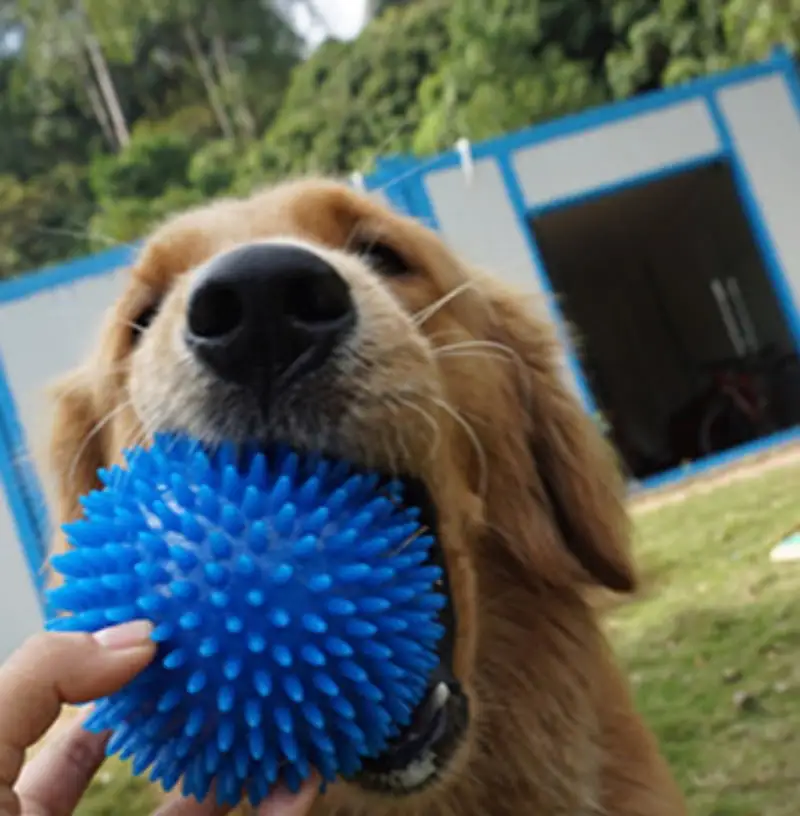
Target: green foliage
pixel 144 169
pixel 43 217
pixel 126 219
pixel 212 169
pixel 353 101
pixel 116 114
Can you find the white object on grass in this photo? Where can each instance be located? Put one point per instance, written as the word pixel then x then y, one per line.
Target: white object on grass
pixel 788 549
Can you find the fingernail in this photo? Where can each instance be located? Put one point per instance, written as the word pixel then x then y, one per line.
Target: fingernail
pixel 126 635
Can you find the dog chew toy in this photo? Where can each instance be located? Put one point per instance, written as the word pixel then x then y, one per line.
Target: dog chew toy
pixel 294 601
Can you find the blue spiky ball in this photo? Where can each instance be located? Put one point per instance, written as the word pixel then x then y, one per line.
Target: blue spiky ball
pixel 294 602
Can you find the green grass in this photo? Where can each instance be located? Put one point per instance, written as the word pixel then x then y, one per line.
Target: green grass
pixel 720 623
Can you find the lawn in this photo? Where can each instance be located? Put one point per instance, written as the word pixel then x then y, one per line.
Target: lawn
pixel 713 651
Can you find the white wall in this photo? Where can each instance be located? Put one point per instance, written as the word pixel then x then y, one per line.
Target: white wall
pixel 765 131
pixel 44 335
pixel 476 218
pixel 478 221
pixel 20 615
pixel 41 337
pixel 614 152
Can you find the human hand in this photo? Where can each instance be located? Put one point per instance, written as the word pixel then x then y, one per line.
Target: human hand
pixel 54 669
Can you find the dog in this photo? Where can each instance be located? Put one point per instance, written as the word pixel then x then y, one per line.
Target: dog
pixel 312 315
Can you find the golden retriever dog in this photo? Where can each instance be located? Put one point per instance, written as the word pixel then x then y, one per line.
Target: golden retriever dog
pixel 312 315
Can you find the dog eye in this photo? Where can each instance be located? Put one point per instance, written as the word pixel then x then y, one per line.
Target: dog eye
pixel 385 260
pixel 140 323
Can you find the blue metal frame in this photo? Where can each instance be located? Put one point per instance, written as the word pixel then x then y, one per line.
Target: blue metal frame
pixel 715 461
pixel 517 199
pixel 101 263
pixel 402 180
pixel 23 515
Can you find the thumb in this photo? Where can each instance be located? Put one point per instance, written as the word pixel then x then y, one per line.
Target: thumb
pixel 284 803
pixel 55 668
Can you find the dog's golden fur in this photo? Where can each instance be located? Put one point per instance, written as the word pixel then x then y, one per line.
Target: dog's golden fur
pixel 465 389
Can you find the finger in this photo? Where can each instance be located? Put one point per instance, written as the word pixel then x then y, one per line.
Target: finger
pixel 55 780
pixel 284 803
pixel 51 669
pixel 180 806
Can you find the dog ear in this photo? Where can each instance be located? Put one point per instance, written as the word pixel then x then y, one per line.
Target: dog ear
pixel 76 450
pixel 572 473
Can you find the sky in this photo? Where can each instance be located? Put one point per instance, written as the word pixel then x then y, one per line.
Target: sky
pixel 343 17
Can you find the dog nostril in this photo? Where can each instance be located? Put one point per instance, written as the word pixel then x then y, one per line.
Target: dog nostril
pixel 215 312
pixel 318 300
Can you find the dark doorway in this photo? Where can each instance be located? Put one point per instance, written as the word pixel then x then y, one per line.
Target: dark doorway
pixel 682 337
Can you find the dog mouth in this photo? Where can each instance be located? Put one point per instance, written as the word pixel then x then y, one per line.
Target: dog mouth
pixel 416 756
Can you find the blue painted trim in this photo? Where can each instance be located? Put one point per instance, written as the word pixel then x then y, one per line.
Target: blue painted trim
pixel 100 263
pixel 401 179
pixel 593 193
pixel 769 255
pixel 792 77
pixel 421 201
pixel 22 488
pixel 710 463
pixel 390 179
pixel 517 199
pixel 397 195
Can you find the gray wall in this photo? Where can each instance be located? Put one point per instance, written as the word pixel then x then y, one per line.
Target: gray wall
pixel 20 615
pixel 765 131
pixel 41 337
pixel 477 219
pixel 613 152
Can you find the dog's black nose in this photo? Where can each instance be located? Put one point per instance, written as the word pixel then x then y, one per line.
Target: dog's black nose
pixel 264 314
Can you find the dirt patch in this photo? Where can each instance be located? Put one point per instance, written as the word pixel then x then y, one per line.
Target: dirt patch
pixel 749 467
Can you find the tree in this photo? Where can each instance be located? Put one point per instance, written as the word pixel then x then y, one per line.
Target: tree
pixel 145 170
pixel 62 52
pixel 510 65
pixel 754 27
pixel 44 218
pixel 352 101
pixel 375 8
pixel 116 113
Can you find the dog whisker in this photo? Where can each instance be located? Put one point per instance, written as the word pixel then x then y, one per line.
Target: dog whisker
pixel 494 350
pixel 96 429
pixel 480 453
pixel 423 315
pixel 429 419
